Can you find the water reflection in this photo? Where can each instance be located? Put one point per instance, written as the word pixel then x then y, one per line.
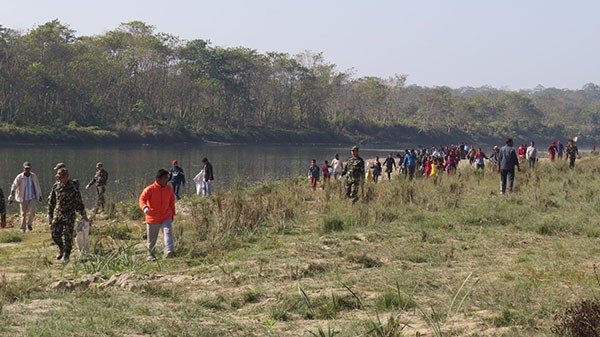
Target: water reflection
pixel 131 167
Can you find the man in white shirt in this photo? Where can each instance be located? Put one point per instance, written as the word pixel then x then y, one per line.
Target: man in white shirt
pixel 336 164
pixel 26 191
pixel 531 154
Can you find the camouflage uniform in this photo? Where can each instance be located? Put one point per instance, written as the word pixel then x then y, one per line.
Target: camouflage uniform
pixel 2 209
pixel 572 153
pixel 354 171
pixel 63 202
pixel 100 179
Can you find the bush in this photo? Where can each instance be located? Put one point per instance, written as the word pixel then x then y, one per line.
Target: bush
pixel 332 223
pixel 580 320
pixel 10 237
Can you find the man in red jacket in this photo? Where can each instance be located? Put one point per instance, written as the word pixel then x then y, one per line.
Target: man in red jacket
pixel 158 203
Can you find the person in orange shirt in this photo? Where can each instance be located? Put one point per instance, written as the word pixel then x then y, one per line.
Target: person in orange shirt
pixel 158 203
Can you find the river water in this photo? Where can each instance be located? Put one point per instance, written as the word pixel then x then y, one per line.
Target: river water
pixel 132 167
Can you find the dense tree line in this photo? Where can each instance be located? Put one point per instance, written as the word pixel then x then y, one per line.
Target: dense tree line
pixel 135 80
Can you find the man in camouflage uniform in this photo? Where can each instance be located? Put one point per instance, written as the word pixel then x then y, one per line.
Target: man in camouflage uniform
pixel 63 202
pixel 100 180
pixel 354 171
pixel 572 152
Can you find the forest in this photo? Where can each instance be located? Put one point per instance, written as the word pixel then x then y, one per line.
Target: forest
pixel 135 84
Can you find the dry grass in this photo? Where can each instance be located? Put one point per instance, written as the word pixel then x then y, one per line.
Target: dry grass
pixel 443 256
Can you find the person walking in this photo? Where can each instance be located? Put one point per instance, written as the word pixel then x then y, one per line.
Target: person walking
pixel 176 177
pixel 26 191
pixel 376 169
pixel 410 162
pixel 390 166
pixel 100 179
pixel 354 171
pixel 552 149
pixel 560 149
pixel 336 164
pixel 571 153
pixel 508 160
pixel 326 170
pixel 208 177
pixel 531 155
pixel 157 201
pixel 313 174
pixel 63 203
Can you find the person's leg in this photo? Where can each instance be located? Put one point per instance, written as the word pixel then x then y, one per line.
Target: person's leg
pixel 23 209
pixel 31 214
pixel 348 189
pixel 68 230
pixel 57 232
pixel 167 227
pixel 208 188
pixel 571 162
pixel 176 190
pixel 511 180
pixel 503 181
pixel 100 203
pixel 354 193
pixel 152 234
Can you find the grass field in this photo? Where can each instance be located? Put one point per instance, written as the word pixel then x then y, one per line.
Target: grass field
pixel 445 256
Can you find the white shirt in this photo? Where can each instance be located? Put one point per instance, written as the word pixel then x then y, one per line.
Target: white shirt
pixel 337 166
pixel 531 152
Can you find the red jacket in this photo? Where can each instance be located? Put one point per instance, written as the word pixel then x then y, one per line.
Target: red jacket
pixel 160 202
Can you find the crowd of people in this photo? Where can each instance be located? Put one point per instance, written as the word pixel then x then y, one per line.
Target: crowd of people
pixel 433 161
pixel 157 201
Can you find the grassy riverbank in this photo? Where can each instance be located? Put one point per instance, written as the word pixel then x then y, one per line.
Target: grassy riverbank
pixel 444 256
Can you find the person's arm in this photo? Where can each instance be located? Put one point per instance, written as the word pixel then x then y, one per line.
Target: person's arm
pixel 144 200
pixel 51 205
pixel 90 183
pixel 172 204
pixel 13 188
pixel 80 207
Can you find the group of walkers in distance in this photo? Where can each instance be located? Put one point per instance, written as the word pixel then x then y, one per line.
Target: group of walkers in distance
pixel 157 201
pixel 429 162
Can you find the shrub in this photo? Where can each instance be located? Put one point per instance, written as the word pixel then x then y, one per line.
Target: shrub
pixel 10 237
pixel 581 319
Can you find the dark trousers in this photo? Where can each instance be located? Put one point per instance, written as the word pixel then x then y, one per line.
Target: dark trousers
pixel 531 162
pixel 571 162
pixel 510 174
pixel 176 187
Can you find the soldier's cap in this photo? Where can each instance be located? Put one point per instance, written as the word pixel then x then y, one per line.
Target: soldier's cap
pixel 355 148
pixel 63 172
pixel 59 166
pixel 99 164
pixel 26 164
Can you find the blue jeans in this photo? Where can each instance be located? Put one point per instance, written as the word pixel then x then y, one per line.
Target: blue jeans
pixel 176 187
pixel 152 234
pixel 510 174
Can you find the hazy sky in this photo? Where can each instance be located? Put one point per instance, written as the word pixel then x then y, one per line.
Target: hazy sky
pixel 510 44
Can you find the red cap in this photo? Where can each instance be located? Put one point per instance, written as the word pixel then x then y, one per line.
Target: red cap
pixel 174 162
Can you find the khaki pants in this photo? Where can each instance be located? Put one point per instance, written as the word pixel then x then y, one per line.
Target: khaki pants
pixel 27 208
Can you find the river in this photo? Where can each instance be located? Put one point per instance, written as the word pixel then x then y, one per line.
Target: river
pixel 132 167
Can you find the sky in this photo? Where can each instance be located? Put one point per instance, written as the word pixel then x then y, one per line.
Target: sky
pixel 507 44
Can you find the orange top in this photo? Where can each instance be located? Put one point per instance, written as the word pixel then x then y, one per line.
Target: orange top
pixel 160 202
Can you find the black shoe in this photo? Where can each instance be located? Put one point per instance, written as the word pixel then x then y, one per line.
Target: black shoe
pixel 67 258
pixel 30 228
pixel 59 255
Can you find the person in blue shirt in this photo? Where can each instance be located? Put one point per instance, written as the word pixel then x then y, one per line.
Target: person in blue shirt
pixel 410 163
pixel 177 178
